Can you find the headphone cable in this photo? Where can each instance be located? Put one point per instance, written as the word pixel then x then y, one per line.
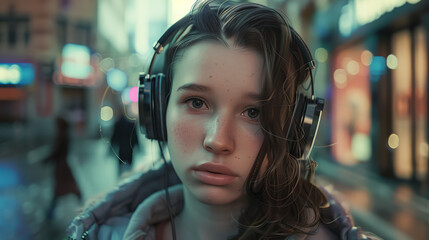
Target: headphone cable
pixel 167 195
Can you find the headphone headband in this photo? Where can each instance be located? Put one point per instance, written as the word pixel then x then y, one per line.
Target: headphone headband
pixel 165 39
pixel 168 35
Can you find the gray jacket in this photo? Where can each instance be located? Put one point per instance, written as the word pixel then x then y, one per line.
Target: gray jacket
pixel 132 209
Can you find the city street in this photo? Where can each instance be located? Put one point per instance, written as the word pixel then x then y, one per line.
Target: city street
pixel 389 211
pixel 346 80
pixel 27 187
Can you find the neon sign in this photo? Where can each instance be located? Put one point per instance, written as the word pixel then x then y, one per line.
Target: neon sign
pixel 77 67
pixel 76 61
pixel 16 73
pixel 357 13
pixel 369 10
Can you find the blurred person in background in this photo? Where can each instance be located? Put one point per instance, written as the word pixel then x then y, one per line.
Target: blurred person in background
pixel 123 140
pixel 64 181
pixel 232 77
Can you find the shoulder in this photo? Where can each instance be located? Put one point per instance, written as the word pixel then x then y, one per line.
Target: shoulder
pixel 336 221
pixel 325 232
pixel 85 226
pixel 109 216
pixel 105 213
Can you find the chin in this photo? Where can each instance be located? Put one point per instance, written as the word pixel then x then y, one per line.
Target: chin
pixel 215 195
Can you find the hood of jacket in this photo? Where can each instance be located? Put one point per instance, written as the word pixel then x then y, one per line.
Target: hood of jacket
pixel 109 216
pixel 132 209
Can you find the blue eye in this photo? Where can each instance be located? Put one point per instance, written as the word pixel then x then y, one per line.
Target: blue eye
pixel 196 103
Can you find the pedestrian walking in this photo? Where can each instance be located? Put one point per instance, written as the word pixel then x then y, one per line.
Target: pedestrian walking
pixel 64 181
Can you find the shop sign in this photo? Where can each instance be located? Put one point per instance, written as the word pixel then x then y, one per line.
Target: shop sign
pixel 76 67
pixel 357 13
pixel 75 61
pixel 16 73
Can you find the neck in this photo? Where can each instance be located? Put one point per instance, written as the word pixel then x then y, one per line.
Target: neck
pixel 203 221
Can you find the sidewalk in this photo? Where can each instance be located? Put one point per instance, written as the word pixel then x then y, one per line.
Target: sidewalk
pixel 27 187
pixel 389 209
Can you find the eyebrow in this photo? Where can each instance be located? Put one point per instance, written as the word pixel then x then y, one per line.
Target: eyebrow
pixel 194 87
pixel 202 88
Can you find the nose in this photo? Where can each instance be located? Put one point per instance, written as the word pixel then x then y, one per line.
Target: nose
pixel 219 136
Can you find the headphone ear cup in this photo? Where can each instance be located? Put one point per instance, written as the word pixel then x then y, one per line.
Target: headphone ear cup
pixel 295 133
pixel 144 105
pixel 160 99
pixel 152 106
pixel 304 126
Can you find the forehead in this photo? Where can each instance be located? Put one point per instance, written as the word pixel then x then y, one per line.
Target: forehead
pixel 211 62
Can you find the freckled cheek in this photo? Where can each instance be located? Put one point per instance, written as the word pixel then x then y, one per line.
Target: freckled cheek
pixel 253 145
pixel 185 137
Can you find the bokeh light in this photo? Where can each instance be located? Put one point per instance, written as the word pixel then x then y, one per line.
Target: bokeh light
pixel 130 94
pixel 134 94
pixel 106 113
pixel 393 141
pixel 353 67
pixel 125 95
pixel 392 61
pixel 107 64
pixel 340 78
pixel 116 79
pixel 321 55
pixel 378 66
pixel 366 58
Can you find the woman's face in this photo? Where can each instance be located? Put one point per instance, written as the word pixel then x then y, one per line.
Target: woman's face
pixel 213 126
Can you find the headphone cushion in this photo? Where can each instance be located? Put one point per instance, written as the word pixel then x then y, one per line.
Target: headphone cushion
pixel 295 134
pixel 160 92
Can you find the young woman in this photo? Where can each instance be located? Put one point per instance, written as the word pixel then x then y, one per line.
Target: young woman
pixel 233 72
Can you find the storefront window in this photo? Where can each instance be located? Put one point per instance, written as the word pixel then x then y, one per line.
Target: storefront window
pixel 420 101
pixel 401 103
pixel 351 107
pixel 409 102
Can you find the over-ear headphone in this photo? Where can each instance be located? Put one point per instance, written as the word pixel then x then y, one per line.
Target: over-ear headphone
pixel 153 92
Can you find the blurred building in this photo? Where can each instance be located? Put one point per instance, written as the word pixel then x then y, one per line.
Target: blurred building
pixel 50 54
pixel 32 36
pixel 372 59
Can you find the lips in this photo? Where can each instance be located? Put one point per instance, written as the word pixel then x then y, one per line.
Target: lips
pixel 214 174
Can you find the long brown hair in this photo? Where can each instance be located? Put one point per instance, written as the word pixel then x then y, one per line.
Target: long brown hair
pixel 283 201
